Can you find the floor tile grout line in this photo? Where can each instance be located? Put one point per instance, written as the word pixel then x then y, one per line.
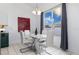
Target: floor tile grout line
pixel 20 48
pixel 15 50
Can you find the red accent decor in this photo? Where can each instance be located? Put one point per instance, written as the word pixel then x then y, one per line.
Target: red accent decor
pixel 23 24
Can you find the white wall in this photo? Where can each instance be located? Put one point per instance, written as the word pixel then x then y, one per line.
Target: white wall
pixel 3 18
pixel 10 13
pixel 73 26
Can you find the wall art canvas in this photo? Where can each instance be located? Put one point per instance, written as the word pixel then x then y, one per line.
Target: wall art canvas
pixel 52 18
pixel 23 24
pixel 48 19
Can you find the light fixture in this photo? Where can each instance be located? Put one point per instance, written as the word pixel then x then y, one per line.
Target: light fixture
pixel 36 10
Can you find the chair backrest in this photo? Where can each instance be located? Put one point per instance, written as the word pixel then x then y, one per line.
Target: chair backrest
pixel 27 33
pixel 24 36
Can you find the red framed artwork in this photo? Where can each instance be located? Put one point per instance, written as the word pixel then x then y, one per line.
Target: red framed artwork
pixel 23 24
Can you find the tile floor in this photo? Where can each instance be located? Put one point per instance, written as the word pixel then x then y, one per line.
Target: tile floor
pixel 15 50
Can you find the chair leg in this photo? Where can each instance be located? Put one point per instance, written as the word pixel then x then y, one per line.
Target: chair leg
pixel 23 51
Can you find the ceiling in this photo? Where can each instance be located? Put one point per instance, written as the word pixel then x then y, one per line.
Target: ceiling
pixel 39 4
pixel 42 6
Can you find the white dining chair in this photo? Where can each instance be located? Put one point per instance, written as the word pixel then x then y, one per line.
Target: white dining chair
pixel 27 41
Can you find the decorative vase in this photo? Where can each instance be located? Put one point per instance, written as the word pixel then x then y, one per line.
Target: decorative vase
pixel 36 32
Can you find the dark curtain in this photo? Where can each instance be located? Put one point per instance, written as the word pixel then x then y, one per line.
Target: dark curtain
pixel 64 34
pixel 41 23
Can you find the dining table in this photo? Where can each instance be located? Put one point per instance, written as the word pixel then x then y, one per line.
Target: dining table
pixel 38 39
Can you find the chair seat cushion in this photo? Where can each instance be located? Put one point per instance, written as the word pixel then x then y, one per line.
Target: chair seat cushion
pixel 28 41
